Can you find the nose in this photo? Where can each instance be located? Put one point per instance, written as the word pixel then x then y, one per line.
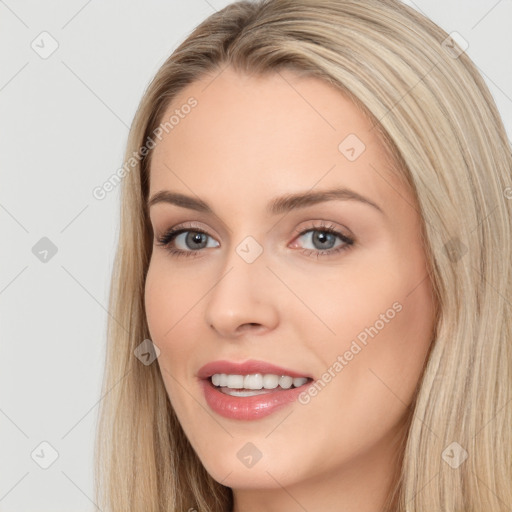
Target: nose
pixel 243 298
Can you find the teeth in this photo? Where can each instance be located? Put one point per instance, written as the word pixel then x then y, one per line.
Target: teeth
pixel 235 381
pixel 299 381
pixel 256 381
pixel 252 381
pixel 270 381
pixel 286 382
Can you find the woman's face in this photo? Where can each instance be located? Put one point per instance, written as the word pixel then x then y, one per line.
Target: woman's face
pixel 350 310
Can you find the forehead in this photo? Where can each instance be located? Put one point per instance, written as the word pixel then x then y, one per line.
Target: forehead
pixel 257 136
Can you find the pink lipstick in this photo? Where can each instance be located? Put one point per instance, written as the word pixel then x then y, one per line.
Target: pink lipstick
pixel 250 390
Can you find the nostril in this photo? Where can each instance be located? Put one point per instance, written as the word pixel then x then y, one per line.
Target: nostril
pixel 250 325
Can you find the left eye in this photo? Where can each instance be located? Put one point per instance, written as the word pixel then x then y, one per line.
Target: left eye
pixel 322 239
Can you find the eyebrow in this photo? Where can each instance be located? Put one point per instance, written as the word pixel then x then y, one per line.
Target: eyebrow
pixel 276 206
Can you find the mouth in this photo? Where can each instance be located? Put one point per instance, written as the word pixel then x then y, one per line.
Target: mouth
pixel 251 390
pixel 255 384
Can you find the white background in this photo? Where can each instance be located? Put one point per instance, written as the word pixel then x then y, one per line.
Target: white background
pixel 64 126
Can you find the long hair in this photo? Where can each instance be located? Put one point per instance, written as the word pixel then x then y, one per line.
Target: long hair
pixel 436 116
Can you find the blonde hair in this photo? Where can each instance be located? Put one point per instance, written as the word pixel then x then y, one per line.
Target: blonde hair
pixel 438 119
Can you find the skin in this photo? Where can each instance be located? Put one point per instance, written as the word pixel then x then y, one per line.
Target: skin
pixel 250 139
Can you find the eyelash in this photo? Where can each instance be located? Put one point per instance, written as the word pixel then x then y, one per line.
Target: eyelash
pixel 168 237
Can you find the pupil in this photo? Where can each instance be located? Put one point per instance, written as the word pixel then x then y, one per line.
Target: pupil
pixel 196 238
pixel 322 237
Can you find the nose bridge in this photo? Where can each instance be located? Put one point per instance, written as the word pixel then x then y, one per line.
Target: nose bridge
pixel 239 295
pixel 245 264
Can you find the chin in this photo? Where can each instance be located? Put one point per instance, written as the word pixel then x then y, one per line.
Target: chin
pixel 230 471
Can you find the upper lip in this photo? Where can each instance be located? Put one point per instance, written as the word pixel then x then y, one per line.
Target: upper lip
pixel 245 368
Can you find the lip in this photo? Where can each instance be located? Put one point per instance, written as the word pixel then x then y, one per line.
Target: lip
pixel 253 407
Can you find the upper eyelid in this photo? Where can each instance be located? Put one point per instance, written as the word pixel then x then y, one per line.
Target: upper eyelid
pixel 314 226
pixel 167 239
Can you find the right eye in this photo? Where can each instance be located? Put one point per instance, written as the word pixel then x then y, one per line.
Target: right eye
pixel 191 240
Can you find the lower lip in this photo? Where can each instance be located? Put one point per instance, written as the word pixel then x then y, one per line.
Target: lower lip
pixel 249 407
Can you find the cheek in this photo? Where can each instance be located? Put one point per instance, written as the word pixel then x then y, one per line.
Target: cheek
pixel 373 364
pixel 169 304
pixel 381 318
pixel 387 336
pixel 167 299
pixel 164 305
pixel 400 354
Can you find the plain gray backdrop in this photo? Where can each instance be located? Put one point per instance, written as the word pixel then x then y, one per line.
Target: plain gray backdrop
pixel 65 112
